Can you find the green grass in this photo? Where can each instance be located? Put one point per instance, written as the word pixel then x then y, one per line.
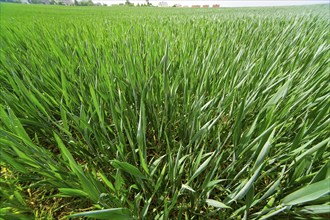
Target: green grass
pixel 150 113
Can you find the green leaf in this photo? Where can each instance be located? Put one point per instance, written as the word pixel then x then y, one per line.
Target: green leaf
pixel 312 150
pixel 201 168
pixel 141 137
pixel 316 209
pixel 323 173
pixel 107 182
pixel 67 155
pixel 96 104
pixel 264 151
pixel 217 204
pixel 274 212
pixel 13 162
pixel 184 186
pixel 114 213
pixel 72 192
pixel 129 168
pixel 308 193
pixel 247 186
pixel 281 92
pixel 214 182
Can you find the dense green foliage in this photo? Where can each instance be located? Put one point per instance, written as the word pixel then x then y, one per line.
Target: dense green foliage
pixel 164 113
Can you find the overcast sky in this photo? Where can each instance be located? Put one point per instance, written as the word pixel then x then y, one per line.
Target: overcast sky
pixel 223 3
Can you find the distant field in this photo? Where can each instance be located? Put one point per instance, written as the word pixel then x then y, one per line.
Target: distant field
pixel 164 113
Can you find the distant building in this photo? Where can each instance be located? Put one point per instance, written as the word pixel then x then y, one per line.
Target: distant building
pixel 205 6
pixel 195 6
pixel 162 4
pixel 177 5
pixel 215 6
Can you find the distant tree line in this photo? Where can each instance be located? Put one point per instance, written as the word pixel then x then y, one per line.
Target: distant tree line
pixel 12 1
pixel 128 3
pixel 70 2
pixel 83 3
pixel 54 2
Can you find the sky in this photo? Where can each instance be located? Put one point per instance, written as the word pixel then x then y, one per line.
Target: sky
pixel 223 3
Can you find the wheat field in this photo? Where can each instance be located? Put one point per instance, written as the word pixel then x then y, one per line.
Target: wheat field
pixel 164 113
